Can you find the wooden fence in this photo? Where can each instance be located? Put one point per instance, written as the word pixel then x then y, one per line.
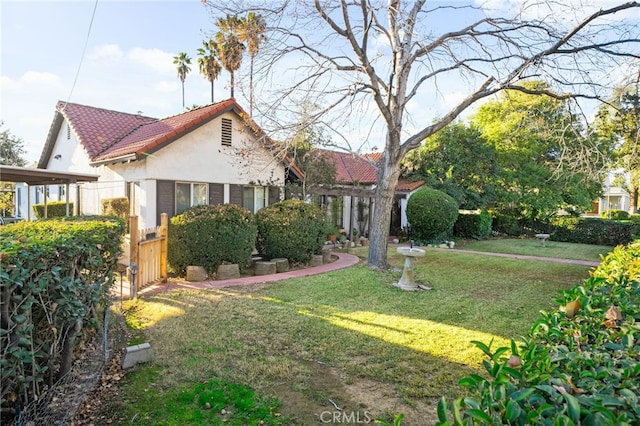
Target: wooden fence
pixel 148 254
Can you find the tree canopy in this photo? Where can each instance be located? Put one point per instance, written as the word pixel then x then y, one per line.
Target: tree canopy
pixel 368 62
pixel 12 149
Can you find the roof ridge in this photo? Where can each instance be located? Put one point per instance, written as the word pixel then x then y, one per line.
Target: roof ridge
pixel 59 109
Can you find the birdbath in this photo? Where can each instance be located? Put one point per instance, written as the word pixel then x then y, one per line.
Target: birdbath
pixel 406 281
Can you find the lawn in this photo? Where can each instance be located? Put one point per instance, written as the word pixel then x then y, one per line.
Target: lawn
pixel 347 338
pixel 532 247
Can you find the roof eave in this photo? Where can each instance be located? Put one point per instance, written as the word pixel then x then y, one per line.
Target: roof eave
pixel 122 159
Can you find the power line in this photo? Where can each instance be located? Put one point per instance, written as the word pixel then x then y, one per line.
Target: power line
pixel 84 50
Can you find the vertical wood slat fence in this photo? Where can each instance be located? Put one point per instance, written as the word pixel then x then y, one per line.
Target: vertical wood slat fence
pixel 148 254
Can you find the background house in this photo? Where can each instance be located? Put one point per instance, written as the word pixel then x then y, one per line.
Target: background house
pixel 614 194
pixel 349 202
pixel 210 155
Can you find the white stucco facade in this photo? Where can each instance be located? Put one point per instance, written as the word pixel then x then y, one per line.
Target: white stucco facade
pixel 197 157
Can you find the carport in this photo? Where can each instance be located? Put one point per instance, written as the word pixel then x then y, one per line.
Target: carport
pixel 44 177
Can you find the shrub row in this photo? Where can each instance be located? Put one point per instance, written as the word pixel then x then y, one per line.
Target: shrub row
pixel 432 215
pixel 54 209
pixel 614 214
pixel 211 235
pixel 579 364
pixel 592 231
pixel 473 225
pixel 53 275
pixel 118 206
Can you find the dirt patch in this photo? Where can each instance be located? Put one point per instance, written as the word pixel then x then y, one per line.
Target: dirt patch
pixel 330 398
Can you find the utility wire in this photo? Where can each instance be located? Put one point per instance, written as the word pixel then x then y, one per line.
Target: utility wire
pixel 84 50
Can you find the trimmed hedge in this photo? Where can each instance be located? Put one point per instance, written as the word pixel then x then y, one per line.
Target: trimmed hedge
pixel 209 236
pixel 579 364
pixel 614 214
pixel 291 229
pixel 592 231
pixel 118 206
pixel 54 209
pixel 53 275
pixel 431 214
pixel 473 225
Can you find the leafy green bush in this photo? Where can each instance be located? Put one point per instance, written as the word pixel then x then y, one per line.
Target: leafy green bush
pixel 506 223
pixel 53 275
pixel 592 231
pixel 432 214
pixel 614 214
pixel 578 365
pixel 473 225
pixel 210 235
pixel 291 229
pixel 116 207
pixel 54 209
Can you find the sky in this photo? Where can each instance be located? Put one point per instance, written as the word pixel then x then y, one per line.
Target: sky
pixel 127 65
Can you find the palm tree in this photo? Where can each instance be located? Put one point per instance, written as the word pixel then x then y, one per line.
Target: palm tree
pixel 251 32
pixel 182 61
pixel 230 47
pixel 208 63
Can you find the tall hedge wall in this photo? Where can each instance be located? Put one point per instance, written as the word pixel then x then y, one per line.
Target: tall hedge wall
pixel 53 274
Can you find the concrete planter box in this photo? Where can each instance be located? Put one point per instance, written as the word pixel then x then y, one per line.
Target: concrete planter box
pixel 227 272
pixel 196 273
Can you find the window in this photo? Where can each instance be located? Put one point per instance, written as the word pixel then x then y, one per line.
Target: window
pixel 254 198
pixel 190 194
pixel 226 132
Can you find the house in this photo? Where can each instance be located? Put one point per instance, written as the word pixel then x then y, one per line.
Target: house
pixel 214 154
pixel 349 202
pixel 614 194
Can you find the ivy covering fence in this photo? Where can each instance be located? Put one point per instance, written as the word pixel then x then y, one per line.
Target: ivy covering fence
pixel 579 365
pixel 54 277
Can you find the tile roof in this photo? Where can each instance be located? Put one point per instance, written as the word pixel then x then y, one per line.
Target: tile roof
pixel 351 169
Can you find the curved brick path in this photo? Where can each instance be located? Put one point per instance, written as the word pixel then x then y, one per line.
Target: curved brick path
pixel 344 260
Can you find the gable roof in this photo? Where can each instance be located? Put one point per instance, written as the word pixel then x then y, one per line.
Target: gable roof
pixel 352 169
pixel 111 136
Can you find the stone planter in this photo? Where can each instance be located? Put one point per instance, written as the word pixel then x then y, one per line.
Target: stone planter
pixel 263 267
pixel 316 260
pixel 326 256
pixel 282 264
pixel 227 272
pixel 196 273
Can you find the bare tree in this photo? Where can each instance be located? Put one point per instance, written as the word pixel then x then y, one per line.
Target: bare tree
pixel 370 61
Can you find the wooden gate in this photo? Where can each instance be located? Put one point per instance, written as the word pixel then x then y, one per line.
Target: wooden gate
pixel 148 254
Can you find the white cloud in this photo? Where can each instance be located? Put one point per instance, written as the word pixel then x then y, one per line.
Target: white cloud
pixel 31 81
pixel 166 86
pixel 152 58
pixel 106 51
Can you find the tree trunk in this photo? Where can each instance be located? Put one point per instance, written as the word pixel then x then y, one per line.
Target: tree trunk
pixel 251 89
pixel 212 91
pixel 633 198
pixel 68 346
pixel 388 173
pixel 232 83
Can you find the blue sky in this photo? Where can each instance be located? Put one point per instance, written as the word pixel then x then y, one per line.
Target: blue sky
pixel 127 65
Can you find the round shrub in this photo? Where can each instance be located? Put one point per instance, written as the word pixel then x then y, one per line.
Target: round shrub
pixel 431 214
pixel 210 235
pixel 614 214
pixel 291 229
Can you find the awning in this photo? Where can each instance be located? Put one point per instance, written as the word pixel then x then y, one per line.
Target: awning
pixel 42 176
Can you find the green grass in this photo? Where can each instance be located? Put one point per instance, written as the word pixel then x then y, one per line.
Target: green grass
pixel 532 247
pixel 325 337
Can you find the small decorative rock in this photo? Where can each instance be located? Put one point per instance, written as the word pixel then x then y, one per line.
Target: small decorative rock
pixel 316 260
pixel 263 267
pixel 196 273
pixel 227 272
pixel 282 264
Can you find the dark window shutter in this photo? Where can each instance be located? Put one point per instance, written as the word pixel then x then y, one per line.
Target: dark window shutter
pixel 165 198
pixel 235 194
pixel 216 193
pixel 274 194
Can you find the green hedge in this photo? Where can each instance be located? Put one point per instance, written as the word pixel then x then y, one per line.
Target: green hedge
pixel 209 236
pixel 431 214
pixel 291 229
pixel 473 225
pixel 579 364
pixel 614 214
pixel 592 231
pixel 118 206
pixel 54 209
pixel 53 275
